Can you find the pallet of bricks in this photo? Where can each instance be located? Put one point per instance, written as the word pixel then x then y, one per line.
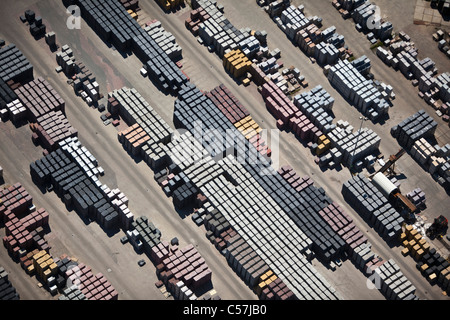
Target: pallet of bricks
pixel 39 97
pixel 185 264
pixel 360 92
pixel 412 133
pixel 76 187
pixel 147 133
pixel 164 39
pixel 197 16
pixel 333 214
pixel 115 25
pixel 84 82
pixel 236 63
pixel 217 31
pixel 434 267
pixel 371 205
pixel 87 285
pixel 52 128
pixel 14 66
pixel 23 227
pixel 7 290
pixel 287 114
pixel 10 106
pixel 239 116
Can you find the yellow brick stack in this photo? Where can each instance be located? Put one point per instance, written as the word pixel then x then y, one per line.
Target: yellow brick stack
pixel 414 243
pixel 133 14
pixel 266 279
pixel 170 4
pixel 248 127
pixel 236 63
pixel 44 265
pixel 323 145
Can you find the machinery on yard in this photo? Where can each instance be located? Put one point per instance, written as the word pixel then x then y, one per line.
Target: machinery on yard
pixel 438 227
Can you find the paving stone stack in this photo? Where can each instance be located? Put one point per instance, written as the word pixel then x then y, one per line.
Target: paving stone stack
pixel 92 286
pixel 14 65
pixel 351 4
pixel 218 31
pixel 7 96
pixel 394 285
pixel 23 227
pixel 39 97
pixel 293 20
pixel 73 182
pixel 136 112
pixel 187 265
pixel 16 111
pixel 148 233
pixel 52 128
pixel 115 25
pixel 316 105
pixel 7 290
pixel 165 40
pixel 357 90
pixel 371 205
pixel 419 125
pixel 84 81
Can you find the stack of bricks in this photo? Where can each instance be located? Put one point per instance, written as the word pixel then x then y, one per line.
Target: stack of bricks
pixel 270 287
pixel 343 224
pixel 93 287
pixel 227 102
pixel 198 16
pixel 23 228
pixel 39 97
pixel 236 63
pixel 51 128
pixel 43 265
pixel 251 131
pixel 297 182
pixel 414 243
pixel 187 265
pixel 133 138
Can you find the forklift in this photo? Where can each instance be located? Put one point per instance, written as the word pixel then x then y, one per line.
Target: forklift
pixel 438 228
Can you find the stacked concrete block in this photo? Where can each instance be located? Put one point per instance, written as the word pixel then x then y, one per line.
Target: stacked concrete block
pixel 355 88
pixel 422 151
pixel 17 112
pixel 236 63
pixel 148 233
pixel 326 54
pixel 292 21
pixel 443 84
pixel 394 284
pixel 7 291
pixel 14 66
pixel 7 95
pixel 217 31
pixel 52 128
pixel 39 97
pixel 316 105
pixel 115 25
pixel 164 39
pixel 250 46
pixel 71 173
pixel 362 64
pixel 185 265
pixel 245 261
pixel 368 202
pixel 419 125
pixel 134 109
